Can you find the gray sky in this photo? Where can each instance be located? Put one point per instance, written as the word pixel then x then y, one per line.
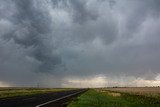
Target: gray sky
pixel 60 43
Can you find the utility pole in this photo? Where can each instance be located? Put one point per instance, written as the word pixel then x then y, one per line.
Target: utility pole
pixel 37 84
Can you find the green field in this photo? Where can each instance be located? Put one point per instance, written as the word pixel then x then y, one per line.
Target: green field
pixel 105 98
pixel 12 92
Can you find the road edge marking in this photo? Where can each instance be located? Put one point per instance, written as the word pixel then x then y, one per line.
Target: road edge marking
pixel 40 105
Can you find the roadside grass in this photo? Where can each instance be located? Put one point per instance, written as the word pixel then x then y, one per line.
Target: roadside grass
pixel 99 98
pixel 13 92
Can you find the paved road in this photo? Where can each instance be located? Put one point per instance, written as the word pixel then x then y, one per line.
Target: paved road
pixel 32 101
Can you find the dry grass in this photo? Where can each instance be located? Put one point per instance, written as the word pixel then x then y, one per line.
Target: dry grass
pixel 114 94
pixel 11 92
pixel 147 91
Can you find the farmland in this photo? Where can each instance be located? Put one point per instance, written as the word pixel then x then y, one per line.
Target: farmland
pixel 119 97
pixel 13 92
pixel 145 91
pixel 97 97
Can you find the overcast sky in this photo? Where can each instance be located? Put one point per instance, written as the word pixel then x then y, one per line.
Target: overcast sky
pixel 79 43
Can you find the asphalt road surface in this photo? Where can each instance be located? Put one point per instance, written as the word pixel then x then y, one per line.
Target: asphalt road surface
pixel 34 100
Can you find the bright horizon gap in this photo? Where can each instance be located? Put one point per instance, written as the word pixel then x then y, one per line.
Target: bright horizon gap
pixel 97 82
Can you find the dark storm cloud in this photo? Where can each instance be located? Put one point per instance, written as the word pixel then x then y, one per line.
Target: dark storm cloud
pixel 81 13
pixel 136 12
pixel 33 30
pixel 58 38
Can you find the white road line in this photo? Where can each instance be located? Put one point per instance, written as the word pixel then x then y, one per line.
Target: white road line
pixel 58 99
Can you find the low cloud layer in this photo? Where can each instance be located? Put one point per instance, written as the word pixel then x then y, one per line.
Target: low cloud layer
pixel 48 41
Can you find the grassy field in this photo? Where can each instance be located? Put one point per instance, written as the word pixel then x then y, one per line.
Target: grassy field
pixel 12 92
pixel 108 98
